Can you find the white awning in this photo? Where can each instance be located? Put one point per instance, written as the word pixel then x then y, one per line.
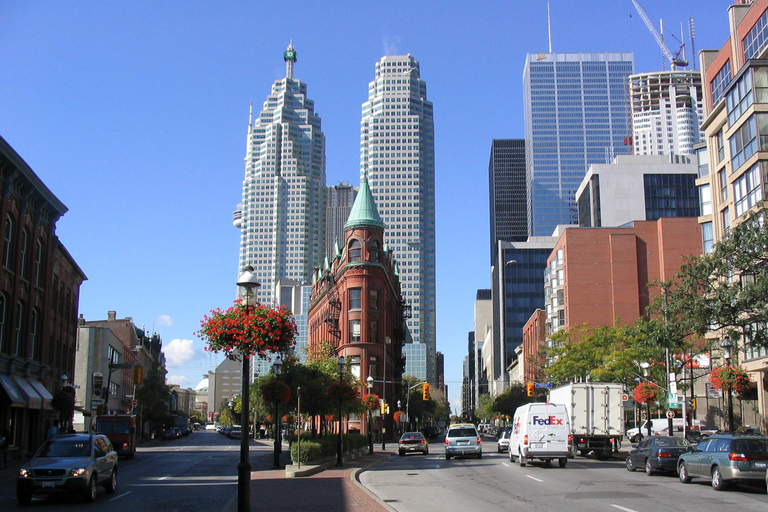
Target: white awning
pixel 43 392
pixel 31 398
pixel 12 390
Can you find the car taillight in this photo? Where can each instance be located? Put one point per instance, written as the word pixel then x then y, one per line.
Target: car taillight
pixel 525 440
pixel 737 457
pixel 422 441
pixel 479 440
pixel 400 442
pixel 664 455
pixel 570 439
pixel 125 446
pixel 446 440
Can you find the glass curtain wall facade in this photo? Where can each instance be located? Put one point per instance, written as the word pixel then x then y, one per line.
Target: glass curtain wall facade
pixel 397 151
pixel 507 191
pixel 576 113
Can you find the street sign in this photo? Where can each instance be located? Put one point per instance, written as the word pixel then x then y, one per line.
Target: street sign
pixel 674 405
pixel 542 385
pixel 624 397
pixel 670 414
pixel 134 402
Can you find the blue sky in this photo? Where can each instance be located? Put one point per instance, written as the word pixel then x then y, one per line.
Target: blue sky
pixel 135 113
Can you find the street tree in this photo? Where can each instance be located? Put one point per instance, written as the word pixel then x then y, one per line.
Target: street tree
pixel 507 402
pixel 153 398
pixel 484 408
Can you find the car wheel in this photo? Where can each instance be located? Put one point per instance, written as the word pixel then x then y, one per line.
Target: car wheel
pixel 630 465
pixel 718 483
pixel 511 456
pixel 23 497
pixel 523 461
pixel 447 457
pixel 498 449
pixel 479 455
pixel 111 484
pixel 562 461
pixel 400 453
pixel 426 452
pixel 683 473
pixel 89 493
pixel 648 468
pixel 637 438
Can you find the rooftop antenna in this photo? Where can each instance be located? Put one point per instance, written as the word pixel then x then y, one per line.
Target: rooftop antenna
pixel 549 28
pixel 693 48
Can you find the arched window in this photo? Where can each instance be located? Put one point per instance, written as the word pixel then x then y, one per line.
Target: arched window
pixel 33 330
pixel 38 263
pixel 8 243
pixel 19 329
pixel 355 251
pixel 373 251
pixel 24 254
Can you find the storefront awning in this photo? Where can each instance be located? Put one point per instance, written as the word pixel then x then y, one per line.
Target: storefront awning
pixel 43 392
pixel 31 398
pixel 12 390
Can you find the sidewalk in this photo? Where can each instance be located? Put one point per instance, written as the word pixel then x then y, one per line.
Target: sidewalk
pixel 332 490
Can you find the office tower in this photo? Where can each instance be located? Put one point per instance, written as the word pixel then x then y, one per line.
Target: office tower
pixel 397 151
pixel 667 111
pixel 341 197
pixel 507 191
pixel 576 114
pixel 282 214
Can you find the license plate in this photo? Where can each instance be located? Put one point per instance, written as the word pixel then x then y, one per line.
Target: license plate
pixel 462 442
pixel 537 445
pixel 760 465
pixel 411 448
pixel 49 484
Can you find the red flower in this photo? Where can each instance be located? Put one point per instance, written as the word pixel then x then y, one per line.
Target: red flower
pixel 371 401
pixel 397 415
pixel 730 378
pixel 276 391
pixel 342 391
pixel 646 392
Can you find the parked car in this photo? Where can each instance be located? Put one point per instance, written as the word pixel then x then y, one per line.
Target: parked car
pixel 412 442
pixel 169 433
pixel 234 432
pixel 463 439
pixel 74 463
pixel 725 458
pixel 657 453
pixel 502 444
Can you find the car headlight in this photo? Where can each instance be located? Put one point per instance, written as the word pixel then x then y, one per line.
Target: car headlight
pixel 78 472
pixel 25 473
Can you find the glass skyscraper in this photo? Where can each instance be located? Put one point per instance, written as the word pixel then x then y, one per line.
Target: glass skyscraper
pixel 507 192
pixel 397 150
pixel 576 113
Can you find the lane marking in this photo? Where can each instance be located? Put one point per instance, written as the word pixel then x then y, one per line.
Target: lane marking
pixel 504 463
pixel 120 496
pixel 164 477
pixel 623 508
pixel 534 478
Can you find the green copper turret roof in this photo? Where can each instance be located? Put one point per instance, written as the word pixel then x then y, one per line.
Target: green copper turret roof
pixel 364 212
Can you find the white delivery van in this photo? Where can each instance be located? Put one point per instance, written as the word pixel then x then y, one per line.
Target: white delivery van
pixel 540 430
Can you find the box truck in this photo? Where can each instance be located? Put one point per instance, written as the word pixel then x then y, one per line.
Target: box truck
pixel 596 414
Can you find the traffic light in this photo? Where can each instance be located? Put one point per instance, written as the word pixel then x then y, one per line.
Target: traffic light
pixel 383 408
pixel 425 392
pixel 138 375
pixel 693 403
pixel 529 388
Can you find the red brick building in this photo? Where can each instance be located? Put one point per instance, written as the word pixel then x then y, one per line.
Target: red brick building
pixel 356 307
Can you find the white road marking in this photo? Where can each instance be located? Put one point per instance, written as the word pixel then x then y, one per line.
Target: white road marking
pixel 623 508
pixel 534 478
pixel 120 496
pixel 505 464
pixel 164 477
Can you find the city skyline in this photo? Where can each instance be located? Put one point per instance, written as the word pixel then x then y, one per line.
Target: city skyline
pixel 134 116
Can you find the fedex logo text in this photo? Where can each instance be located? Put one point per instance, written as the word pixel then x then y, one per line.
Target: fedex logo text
pixel 551 420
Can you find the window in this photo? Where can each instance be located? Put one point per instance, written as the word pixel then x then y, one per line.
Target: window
pixel 723 185
pixel 353 363
pixel 355 298
pixel 373 299
pixel 354 331
pixel 19 329
pixel 707 238
pixel 705 199
pixel 720 145
pixel 743 143
pixel 373 251
pixel 726 219
pixel 739 98
pixel 24 267
pixel 355 251
pixel 373 366
pixel 720 82
pixel 38 263
pixel 748 189
pixel 33 329
pixel 374 334
pixel 8 243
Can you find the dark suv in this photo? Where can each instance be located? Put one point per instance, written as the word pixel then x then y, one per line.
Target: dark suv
pixel 725 458
pixel 69 463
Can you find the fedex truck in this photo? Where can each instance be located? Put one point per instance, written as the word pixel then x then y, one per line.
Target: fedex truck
pixel 540 430
pixel 595 413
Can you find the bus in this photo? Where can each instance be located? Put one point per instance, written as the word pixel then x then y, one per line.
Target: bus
pixel 121 431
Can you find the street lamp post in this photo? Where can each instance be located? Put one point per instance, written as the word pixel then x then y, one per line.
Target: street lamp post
pixel 247 286
pixel 276 366
pixel 399 405
pixel 646 370
pixel 727 345
pixel 342 364
pixel 369 381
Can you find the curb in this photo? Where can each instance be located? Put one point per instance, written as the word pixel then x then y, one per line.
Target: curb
pixel 354 476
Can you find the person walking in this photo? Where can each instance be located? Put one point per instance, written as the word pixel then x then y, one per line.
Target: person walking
pixel 54 430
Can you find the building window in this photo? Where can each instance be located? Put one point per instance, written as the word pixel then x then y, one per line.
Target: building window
pixel 373 366
pixel 755 39
pixel 707 237
pixel 355 251
pixel 723 185
pixel 353 362
pixel 19 328
pixel 24 268
pixel 373 299
pixel 726 219
pixel 354 331
pixel 739 98
pixel 705 200
pixel 8 243
pixel 355 298
pixel 720 145
pixel 38 263
pixel 373 251
pixel 374 334
pixel 720 82
pixel 743 143
pixel 748 189
pixel 33 329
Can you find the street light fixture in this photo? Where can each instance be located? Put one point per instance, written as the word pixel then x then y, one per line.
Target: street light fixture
pixel 247 286
pixel 645 365
pixel 369 381
pixel 342 364
pixel 727 345
pixel 277 366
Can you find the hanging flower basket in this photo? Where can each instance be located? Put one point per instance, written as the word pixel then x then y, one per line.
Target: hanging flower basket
pixel 329 417
pixel 645 392
pixel 289 418
pixel 276 391
pixel 371 401
pixel 730 378
pixel 342 391
pixel 254 331
pixel 397 415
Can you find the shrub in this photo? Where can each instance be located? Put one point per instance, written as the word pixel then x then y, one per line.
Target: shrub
pixel 313 449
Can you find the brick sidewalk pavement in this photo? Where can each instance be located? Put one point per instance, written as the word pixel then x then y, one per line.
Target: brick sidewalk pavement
pixel 332 490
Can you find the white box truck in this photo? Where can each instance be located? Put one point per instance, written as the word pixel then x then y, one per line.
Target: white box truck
pixel 596 413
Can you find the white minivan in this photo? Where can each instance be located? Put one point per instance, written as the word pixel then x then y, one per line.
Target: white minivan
pixel 540 430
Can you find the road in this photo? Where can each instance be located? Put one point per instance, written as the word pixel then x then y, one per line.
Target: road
pixel 417 483
pixel 196 472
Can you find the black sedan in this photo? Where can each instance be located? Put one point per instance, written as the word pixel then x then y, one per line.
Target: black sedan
pixel 412 442
pixel 657 453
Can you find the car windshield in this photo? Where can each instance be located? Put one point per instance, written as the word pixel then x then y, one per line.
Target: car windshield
pixel 62 448
pixel 672 441
pixel 113 427
pixel 752 446
pixel 412 435
pixel 462 432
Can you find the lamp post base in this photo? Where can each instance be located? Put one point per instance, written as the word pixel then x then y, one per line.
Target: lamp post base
pixel 244 487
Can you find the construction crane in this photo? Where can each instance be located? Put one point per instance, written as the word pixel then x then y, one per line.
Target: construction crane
pixel 676 60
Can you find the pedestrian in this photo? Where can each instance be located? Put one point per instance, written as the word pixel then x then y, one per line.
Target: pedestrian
pixel 54 430
pixel 5 440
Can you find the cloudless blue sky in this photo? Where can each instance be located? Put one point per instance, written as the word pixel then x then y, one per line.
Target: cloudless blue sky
pixel 135 114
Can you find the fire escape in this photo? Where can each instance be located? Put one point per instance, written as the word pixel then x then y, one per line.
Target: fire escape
pixel 333 312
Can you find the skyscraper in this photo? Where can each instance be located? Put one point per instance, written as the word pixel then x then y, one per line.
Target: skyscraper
pixel 341 197
pixel 506 184
pixel 282 214
pixel 576 114
pixel 397 149
pixel 667 110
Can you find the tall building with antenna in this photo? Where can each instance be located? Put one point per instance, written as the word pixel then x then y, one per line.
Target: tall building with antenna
pixel 397 149
pixel 575 115
pixel 282 214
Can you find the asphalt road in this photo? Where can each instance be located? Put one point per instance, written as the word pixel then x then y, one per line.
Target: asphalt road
pixel 417 483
